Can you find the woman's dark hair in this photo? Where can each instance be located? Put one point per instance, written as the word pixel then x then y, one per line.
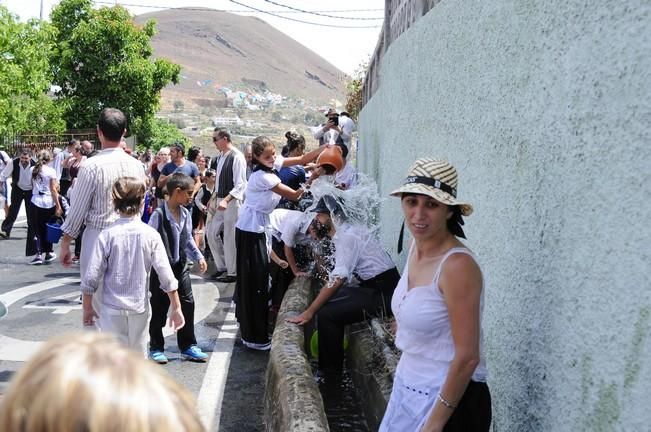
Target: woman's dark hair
pixel 258 146
pixel 44 157
pixel 294 141
pixel 193 153
pixel 128 194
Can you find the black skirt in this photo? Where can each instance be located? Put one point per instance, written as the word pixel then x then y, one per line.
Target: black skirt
pixel 252 286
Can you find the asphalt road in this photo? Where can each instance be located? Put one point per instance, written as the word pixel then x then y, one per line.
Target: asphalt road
pixel 43 302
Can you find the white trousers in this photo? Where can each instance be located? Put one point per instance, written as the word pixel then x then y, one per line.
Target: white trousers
pixel 130 327
pixel 224 253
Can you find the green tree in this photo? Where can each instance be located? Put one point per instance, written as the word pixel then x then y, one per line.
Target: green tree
pixel 158 133
pixel 354 88
pixel 103 60
pixel 25 77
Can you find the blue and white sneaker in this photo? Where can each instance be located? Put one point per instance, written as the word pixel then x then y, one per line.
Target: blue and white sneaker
pixel 194 353
pixel 158 356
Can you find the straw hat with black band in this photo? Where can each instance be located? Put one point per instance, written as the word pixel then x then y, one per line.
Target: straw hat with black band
pixel 437 179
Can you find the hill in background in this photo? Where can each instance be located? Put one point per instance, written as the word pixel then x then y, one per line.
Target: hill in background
pixel 223 53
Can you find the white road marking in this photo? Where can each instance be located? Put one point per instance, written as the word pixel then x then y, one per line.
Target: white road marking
pixel 12 349
pixel 59 309
pixel 209 402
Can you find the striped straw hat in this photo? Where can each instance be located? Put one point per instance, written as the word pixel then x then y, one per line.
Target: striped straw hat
pixel 434 178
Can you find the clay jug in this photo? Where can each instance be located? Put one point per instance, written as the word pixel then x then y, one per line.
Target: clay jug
pixel 331 160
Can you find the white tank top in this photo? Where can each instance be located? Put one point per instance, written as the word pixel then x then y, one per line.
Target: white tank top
pixel 424 335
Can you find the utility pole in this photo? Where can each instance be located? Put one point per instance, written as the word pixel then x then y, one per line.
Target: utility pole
pixel 41 16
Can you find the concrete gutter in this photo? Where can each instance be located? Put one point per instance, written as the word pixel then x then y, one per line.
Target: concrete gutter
pixel 372 364
pixel 292 401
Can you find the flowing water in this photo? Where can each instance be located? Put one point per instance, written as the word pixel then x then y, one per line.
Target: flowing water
pixel 341 404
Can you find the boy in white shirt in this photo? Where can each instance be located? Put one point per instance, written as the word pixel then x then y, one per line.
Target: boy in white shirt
pixel 121 261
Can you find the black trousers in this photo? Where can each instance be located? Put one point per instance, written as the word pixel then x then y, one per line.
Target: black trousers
pixel 38 244
pixel 252 286
pixel 351 304
pixel 473 412
pixel 64 185
pixel 160 304
pixel 17 197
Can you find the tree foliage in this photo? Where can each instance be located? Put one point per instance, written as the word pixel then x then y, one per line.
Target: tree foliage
pixel 103 59
pixel 354 88
pixel 157 133
pixel 25 77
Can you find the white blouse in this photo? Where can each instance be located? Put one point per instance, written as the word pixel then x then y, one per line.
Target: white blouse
pixel 424 334
pixel 259 200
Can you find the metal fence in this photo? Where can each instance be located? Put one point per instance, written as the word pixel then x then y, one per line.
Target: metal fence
pixel 399 15
pixel 13 143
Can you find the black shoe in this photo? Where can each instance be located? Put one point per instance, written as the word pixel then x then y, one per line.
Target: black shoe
pixel 226 279
pixel 217 274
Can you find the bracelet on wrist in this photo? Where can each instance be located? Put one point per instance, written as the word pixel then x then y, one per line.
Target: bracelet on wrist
pixel 445 402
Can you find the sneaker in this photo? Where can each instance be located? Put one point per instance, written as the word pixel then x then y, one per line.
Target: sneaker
pixel 75 259
pixel 194 353
pixel 36 261
pixel 4 234
pixel 50 256
pixel 257 346
pixel 158 356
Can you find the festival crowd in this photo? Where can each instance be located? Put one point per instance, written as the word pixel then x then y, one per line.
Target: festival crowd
pixel 138 224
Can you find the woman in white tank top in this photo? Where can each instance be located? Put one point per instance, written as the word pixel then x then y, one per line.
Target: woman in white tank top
pixel 440 381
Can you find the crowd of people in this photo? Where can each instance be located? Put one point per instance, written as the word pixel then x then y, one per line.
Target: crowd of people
pixel 260 217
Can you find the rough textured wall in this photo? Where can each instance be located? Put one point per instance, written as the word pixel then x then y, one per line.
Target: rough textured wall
pixel 545 110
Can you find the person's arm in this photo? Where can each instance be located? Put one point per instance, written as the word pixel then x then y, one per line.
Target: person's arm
pixel 239 182
pixel 55 197
pixel 6 172
pixel 91 280
pixel 164 175
pixel 278 260
pixel 191 249
pixel 287 192
pixel 461 283
pixel 84 194
pixel 306 158
pixel 291 260
pixel 321 299
pixel 318 131
pixel 197 200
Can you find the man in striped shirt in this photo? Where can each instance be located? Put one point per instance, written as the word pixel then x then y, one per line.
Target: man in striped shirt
pixel 93 204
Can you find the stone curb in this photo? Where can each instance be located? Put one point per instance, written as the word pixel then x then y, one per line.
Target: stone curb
pixel 292 401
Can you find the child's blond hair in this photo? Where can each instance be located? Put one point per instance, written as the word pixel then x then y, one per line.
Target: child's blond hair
pixel 91 382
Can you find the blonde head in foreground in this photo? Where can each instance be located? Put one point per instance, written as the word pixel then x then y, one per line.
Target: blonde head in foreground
pixel 90 382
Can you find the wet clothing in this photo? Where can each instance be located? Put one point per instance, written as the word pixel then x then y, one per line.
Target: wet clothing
pixel 369 280
pixel 425 339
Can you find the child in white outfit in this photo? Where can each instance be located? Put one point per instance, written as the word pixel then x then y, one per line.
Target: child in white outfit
pixel 122 261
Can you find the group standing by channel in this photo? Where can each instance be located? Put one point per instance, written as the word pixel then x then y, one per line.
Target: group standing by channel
pixel 263 219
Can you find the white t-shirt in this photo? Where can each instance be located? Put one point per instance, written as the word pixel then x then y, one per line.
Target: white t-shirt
pixel 260 200
pixel 347 176
pixel 41 193
pixel 357 251
pixel 290 226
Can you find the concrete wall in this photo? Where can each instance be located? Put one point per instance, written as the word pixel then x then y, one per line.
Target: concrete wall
pixel 545 110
